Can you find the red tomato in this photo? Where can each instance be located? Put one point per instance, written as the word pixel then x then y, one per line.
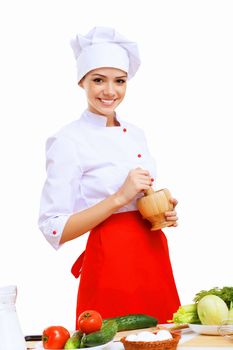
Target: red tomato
pixel 55 337
pixel 89 321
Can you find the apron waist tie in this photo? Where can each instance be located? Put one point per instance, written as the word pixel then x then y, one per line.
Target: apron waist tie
pixel 77 266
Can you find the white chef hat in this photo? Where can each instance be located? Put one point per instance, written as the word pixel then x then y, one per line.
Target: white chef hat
pixel 104 47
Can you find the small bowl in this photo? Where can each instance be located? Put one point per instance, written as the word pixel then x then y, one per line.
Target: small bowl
pixel 169 344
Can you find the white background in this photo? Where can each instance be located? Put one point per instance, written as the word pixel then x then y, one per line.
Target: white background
pixel 181 97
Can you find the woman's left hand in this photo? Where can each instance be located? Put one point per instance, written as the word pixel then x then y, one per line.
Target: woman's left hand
pixel 172 215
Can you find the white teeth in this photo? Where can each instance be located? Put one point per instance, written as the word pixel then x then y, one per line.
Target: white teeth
pixel 107 102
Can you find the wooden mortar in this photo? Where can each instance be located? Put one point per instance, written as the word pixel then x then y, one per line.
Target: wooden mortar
pixel 153 205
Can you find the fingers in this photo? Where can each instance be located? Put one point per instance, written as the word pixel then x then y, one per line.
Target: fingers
pixel 172 216
pixel 141 178
pixel 175 224
pixel 141 171
pixel 137 180
pixel 173 201
pixel 143 184
pixel 144 174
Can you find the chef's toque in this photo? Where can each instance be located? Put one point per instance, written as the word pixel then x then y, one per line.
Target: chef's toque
pixel 104 47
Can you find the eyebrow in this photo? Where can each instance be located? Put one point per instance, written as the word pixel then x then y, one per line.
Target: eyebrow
pixel 104 76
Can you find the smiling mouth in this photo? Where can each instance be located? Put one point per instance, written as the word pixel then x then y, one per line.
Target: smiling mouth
pixel 106 102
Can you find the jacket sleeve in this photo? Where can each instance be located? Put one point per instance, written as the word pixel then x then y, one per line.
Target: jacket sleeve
pixel 60 188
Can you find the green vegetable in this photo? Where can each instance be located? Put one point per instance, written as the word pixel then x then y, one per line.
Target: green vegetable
pixel 133 321
pixel 212 310
pixel 225 293
pixel 230 313
pixel 103 336
pixel 186 314
pixel 74 341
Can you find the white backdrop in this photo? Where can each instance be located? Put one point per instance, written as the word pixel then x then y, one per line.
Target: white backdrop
pixel 181 97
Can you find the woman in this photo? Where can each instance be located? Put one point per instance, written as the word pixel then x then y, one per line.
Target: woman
pixel 97 167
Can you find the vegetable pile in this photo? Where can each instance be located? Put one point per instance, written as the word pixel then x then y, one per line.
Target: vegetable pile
pixel 93 330
pixel 210 307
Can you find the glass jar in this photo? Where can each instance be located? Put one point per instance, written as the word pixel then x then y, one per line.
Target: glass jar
pixel 226 329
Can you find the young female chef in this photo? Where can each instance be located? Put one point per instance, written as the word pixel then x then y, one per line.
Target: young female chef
pixel 97 167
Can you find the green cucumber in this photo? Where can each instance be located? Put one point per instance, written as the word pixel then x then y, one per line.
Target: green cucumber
pixel 74 341
pixel 103 336
pixel 133 321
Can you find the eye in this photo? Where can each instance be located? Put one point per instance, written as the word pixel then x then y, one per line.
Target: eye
pixel 121 81
pixel 98 80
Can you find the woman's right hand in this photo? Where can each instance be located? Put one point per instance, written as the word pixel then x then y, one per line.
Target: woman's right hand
pixel 138 180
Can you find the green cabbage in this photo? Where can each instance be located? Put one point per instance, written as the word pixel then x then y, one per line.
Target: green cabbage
pixel 212 310
pixel 225 293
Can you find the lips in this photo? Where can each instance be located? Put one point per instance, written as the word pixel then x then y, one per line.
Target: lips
pixel 106 102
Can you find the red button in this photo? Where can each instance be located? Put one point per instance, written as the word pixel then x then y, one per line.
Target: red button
pixel 54 232
pixel 152 180
pixel 139 155
pixel 124 129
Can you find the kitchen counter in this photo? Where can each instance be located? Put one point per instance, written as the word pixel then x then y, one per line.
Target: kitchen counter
pixel 193 341
pixel 189 341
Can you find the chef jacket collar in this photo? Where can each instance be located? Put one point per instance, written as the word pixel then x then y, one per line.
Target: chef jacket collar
pixel 97 119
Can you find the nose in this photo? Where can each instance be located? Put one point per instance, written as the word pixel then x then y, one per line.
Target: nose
pixel 109 89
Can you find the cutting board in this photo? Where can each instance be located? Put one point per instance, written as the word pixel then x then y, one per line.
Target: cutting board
pixel 207 341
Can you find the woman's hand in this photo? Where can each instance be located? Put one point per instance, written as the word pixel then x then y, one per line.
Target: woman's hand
pixel 172 215
pixel 138 180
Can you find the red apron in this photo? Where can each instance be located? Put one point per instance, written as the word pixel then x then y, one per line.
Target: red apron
pixel 126 269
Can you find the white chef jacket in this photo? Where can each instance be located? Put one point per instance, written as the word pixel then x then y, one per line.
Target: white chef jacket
pixel 86 162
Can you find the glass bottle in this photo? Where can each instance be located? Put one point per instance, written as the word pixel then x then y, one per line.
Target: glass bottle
pixel 11 336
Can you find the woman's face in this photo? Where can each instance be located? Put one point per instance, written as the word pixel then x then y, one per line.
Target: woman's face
pixel 105 89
